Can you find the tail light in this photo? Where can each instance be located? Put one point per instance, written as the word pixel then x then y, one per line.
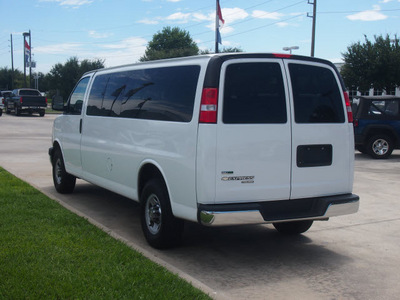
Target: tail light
pixel 46 101
pixel 348 107
pixel 20 100
pixel 209 105
pixel 355 122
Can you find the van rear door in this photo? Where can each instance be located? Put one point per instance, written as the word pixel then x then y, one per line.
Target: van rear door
pixel 254 149
pixel 322 137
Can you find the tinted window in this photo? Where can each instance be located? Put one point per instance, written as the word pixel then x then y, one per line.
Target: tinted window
pixel 159 94
pixel 317 98
pixel 254 93
pixel 384 108
pixel 75 102
pixel 29 93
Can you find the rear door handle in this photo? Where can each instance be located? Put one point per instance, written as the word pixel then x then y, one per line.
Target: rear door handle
pixel 80 126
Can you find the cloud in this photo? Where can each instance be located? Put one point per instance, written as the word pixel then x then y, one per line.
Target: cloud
pixel 127 51
pixel 231 15
pixel 368 15
pixel 282 24
pixel 96 35
pixel 148 21
pixel 72 3
pixel 64 48
pixel 260 14
pixel 179 17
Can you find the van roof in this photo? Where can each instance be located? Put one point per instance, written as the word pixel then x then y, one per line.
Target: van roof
pixel 221 57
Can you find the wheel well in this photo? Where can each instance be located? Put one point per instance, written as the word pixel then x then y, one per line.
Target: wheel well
pixel 148 172
pixel 377 131
pixel 56 147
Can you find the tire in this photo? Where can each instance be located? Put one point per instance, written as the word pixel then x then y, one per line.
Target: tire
pixel 17 111
pixel 63 182
pixel 160 228
pixel 6 108
pixel 294 227
pixel 361 149
pixel 1 112
pixel 380 146
pixel 42 113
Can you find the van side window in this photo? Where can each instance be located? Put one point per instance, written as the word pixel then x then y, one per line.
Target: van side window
pixel 166 94
pixel 254 93
pixel 74 106
pixel 317 98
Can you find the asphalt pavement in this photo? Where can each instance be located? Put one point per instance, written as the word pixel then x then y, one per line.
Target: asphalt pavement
pixel 347 257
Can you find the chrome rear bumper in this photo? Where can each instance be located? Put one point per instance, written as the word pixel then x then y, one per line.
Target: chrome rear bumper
pixel 278 211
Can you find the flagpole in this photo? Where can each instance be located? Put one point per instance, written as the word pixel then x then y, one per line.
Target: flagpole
pixel 216 26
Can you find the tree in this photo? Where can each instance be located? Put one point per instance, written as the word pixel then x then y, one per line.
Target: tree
pixel 224 50
pixel 372 64
pixel 169 43
pixel 64 77
pixel 10 80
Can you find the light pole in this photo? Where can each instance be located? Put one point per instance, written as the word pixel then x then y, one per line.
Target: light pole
pixel 290 48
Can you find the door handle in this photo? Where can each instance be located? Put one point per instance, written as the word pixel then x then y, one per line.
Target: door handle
pixel 80 126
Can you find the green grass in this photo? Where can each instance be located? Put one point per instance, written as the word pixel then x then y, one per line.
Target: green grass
pixel 47 252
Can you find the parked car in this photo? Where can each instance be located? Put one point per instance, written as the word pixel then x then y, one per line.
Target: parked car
pixel 26 101
pixel 3 96
pixel 221 139
pixel 377 125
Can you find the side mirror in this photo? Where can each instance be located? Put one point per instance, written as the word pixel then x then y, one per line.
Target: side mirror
pixel 58 103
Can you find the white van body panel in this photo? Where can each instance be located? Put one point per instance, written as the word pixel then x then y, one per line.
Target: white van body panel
pixel 114 150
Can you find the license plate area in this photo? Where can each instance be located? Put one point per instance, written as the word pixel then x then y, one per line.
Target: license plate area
pixel 314 156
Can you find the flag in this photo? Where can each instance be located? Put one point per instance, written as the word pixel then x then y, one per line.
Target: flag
pixel 219 12
pixel 220 20
pixel 27 52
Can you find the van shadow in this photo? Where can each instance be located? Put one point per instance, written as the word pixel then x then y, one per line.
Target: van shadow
pixel 255 254
pixel 222 256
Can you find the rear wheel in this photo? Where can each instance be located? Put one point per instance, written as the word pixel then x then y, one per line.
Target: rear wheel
pixel 63 182
pixel 161 229
pixel 380 146
pixel 292 228
pixel 17 111
pixel 42 113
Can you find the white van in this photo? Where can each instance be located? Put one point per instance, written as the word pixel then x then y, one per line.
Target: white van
pixel 216 139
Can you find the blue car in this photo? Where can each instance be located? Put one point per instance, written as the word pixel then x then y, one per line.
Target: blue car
pixel 377 125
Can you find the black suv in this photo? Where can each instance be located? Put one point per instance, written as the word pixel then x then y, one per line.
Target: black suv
pixel 377 125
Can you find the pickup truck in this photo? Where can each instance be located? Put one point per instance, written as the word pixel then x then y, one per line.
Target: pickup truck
pixel 25 100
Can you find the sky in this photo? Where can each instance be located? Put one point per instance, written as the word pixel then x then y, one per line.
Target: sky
pixel 118 31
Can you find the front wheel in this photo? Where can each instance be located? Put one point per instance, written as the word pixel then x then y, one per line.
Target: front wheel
pixel 294 227
pixel 161 229
pixel 380 146
pixel 63 182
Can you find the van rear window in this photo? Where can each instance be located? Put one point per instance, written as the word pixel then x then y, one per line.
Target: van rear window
pixel 254 94
pixel 158 94
pixel 317 97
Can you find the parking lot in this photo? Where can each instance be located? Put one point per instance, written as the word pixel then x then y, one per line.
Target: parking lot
pixel 348 257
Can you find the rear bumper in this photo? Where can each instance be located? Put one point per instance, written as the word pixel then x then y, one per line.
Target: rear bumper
pixel 278 211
